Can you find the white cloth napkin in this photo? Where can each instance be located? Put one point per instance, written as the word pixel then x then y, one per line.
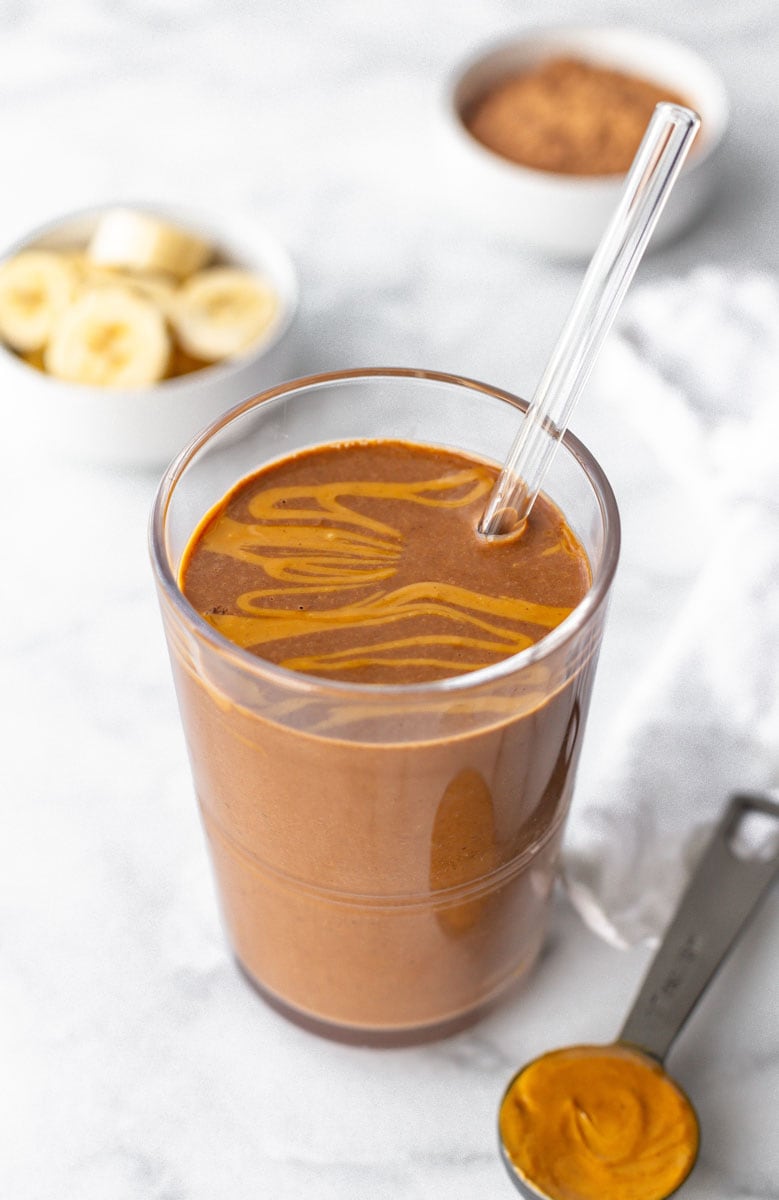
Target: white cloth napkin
pixel 694 373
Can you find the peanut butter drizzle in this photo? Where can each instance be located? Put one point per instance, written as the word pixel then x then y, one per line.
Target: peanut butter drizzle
pixel 311 541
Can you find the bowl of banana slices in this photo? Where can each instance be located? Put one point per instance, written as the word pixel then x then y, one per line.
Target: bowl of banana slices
pixel 125 329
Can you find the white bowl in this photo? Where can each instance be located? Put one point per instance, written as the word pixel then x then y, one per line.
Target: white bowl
pixel 565 215
pixel 148 426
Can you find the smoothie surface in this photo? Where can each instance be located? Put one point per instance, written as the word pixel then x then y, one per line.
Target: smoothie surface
pixel 360 562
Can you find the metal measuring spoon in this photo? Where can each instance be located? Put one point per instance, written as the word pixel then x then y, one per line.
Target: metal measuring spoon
pixel 731 877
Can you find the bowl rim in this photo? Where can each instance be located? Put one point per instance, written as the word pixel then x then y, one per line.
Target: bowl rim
pixel 560 33
pixel 219 230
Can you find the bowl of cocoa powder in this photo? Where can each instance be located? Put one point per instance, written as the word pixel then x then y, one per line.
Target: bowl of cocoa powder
pixel 543 127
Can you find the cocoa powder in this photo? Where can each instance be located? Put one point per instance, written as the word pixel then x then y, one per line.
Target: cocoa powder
pixel 567 116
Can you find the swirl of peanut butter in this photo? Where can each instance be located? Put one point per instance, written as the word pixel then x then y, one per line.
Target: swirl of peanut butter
pixel 598 1123
pixel 335 594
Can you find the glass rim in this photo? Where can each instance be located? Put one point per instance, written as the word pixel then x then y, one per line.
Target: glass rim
pixel 261 668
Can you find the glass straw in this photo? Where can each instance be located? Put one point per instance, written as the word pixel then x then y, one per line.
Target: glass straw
pixel 653 173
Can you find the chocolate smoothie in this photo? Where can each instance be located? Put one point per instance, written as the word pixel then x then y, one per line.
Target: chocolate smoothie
pixel 384 858
pixel 361 562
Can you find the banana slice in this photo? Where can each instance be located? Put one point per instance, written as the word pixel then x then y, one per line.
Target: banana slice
pixel 35 287
pixel 144 243
pixel 154 286
pixel 222 312
pixel 110 337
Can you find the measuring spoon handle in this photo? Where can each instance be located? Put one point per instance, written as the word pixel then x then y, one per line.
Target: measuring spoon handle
pixel 726 886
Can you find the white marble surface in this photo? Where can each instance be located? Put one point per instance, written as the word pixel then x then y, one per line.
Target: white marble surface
pixel 135 1063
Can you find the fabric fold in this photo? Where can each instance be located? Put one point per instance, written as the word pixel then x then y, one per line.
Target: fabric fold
pixel 701 720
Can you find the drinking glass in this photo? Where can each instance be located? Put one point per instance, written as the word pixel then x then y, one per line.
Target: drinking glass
pixel 384 855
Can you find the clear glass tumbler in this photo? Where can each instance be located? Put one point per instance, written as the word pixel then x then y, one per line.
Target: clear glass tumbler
pixel 384 855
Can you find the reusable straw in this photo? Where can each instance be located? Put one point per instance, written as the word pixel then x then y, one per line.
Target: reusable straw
pixel 653 173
